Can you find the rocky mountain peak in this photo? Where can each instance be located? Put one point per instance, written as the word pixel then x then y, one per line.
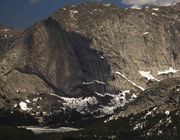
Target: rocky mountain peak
pixel 90 61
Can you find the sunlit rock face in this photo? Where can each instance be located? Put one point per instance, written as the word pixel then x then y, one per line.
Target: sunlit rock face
pixel 128 40
pixel 88 59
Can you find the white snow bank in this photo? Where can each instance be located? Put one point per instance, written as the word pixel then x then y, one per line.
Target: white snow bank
pixel 23 106
pixel 37 99
pixel 145 33
pixel 120 99
pixel 74 11
pixel 82 104
pixel 136 7
pixel 102 57
pixel 15 105
pixel 107 4
pixel 130 81
pixel 154 14
pixel 79 103
pixel 117 101
pixel 169 71
pixel 147 75
pixel 92 82
pixel 155 9
pixel 107 109
pixel 27 101
pixel 167 112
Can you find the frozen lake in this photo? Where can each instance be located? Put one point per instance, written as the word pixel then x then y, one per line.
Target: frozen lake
pixel 39 130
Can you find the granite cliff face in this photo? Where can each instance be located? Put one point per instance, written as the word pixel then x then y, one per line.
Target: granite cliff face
pixel 89 61
pixel 130 40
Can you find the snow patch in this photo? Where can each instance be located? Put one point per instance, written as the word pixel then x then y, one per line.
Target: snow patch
pixel 167 112
pixel 145 33
pixel 138 126
pixel 15 105
pixel 107 4
pixel 149 113
pixel 134 84
pixel 74 11
pixel 136 7
pixel 154 14
pixel 79 103
pixel 178 89
pixel 23 106
pixel 18 91
pixel 155 9
pixel 102 57
pixel 82 104
pixel 37 99
pixel 134 96
pixel 52 94
pixel 120 99
pixel 96 10
pixel 107 110
pixel 27 101
pixel 94 81
pixel 117 101
pixel 155 108
pixel 147 75
pixel 100 94
pixel 169 71
pixel 160 132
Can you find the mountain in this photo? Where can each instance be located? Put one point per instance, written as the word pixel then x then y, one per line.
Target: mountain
pixel 91 61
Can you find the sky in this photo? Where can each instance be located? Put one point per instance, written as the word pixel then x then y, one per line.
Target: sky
pixel 22 14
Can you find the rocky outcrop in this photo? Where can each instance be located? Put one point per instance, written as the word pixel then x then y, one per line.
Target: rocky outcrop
pixel 163 96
